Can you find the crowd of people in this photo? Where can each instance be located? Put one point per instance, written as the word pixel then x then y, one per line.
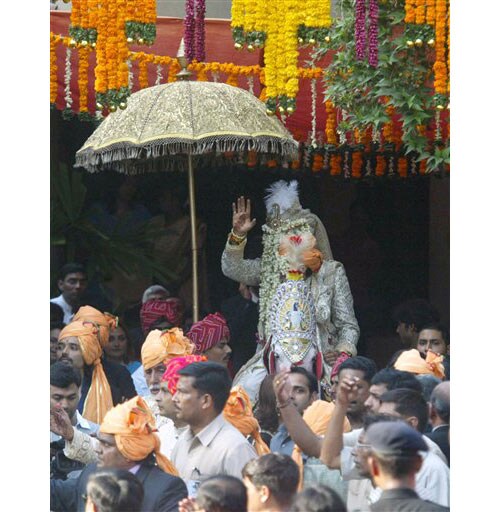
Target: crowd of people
pixel 159 417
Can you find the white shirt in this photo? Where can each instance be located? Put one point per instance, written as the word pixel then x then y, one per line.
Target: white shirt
pixel 67 309
pixel 169 434
pixel 219 449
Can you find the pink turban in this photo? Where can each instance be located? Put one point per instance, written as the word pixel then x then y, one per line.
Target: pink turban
pixel 208 332
pixel 171 375
pixel 170 309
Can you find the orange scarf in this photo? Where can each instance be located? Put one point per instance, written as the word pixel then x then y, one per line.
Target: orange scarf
pixel 238 412
pixel 133 425
pixel 105 321
pixel 160 347
pixel 411 361
pixel 99 400
pixel 316 416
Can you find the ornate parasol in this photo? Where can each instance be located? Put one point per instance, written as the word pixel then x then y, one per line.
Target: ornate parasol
pixel 166 126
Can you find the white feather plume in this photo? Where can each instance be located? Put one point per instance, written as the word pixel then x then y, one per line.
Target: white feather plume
pixel 282 193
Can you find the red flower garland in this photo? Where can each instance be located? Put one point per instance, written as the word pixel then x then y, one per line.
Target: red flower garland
pixel 189 30
pixel 200 30
pixel 360 29
pixel 373 34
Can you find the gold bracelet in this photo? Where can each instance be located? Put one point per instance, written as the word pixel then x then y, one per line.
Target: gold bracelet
pixel 238 237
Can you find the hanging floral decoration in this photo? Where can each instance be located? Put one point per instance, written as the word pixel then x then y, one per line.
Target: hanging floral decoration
pixel 194 30
pixel 140 24
pixel 428 22
pixel 360 24
pixel 83 22
pixel 280 26
pixel 68 100
pixel 199 53
pixel 53 68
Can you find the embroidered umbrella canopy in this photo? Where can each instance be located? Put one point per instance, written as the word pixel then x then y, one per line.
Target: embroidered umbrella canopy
pixel 172 125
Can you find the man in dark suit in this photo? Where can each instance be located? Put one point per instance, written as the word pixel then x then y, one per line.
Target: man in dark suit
pixel 393 461
pixel 439 417
pixel 126 441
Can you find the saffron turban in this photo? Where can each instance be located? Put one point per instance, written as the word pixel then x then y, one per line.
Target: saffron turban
pixel 316 416
pixel 99 399
pixel 238 411
pixel 411 361
pixel 208 332
pixel 170 309
pixel 161 346
pixel 105 321
pixel 171 375
pixel 133 425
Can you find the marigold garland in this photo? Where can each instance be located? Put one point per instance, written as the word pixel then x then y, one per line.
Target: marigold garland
pixel 83 78
pixel 330 123
pixel 336 164
pixel 420 12
pixel 380 165
pixel 357 163
pixel 53 70
pixel 410 15
pixel 277 25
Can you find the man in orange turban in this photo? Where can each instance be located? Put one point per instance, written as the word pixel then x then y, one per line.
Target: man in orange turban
pixel 238 411
pixel 158 349
pixel 411 361
pixel 104 321
pixel 127 441
pixel 102 385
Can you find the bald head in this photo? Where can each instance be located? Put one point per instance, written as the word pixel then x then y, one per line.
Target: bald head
pixel 440 401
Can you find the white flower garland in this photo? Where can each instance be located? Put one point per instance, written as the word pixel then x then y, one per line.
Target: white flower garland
pixel 130 75
pixel 437 135
pixel 314 96
pixel 250 82
pixel 273 266
pixel 158 74
pixel 67 79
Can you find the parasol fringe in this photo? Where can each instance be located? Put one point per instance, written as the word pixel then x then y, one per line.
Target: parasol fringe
pixel 167 154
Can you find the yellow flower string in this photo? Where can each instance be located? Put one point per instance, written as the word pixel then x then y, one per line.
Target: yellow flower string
pixel 430 13
pixel 420 12
pixel 76 13
pixel 237 13
pixel 279 20
pixel 330 123
pixel 101 72
pixel 83 77
pixel 410 11
pixel 53 69
pixel 143 74
pixel 440 67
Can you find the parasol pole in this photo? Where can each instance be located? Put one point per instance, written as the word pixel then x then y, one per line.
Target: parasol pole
pixel 184 74
pixel 194 242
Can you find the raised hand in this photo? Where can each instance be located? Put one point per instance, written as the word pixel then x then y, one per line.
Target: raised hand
pixel 60 423
pixel 242 220
pixel 347 391
pixel 282 387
